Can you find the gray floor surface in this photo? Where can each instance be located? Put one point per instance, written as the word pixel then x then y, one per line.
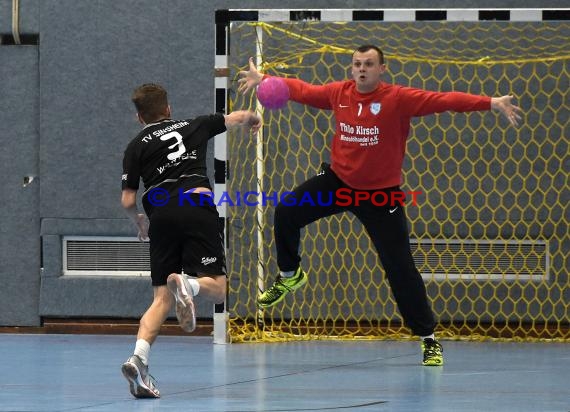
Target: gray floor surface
pixel 82 373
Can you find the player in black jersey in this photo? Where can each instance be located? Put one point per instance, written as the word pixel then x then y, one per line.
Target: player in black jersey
pixel 184 230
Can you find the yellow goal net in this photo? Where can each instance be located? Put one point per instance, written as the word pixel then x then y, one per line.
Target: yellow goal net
pixel 490 231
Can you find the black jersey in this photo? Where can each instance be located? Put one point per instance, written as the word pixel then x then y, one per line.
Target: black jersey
pixel 170 154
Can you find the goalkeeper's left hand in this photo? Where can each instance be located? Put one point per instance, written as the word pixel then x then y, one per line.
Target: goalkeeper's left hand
pixel 507 108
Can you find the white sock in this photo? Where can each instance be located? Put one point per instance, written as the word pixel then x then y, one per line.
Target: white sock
pixel 288 274
pixel 432 336
pixel 195 285
pixel 142 350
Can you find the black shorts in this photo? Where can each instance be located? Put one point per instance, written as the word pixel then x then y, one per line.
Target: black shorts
pixel 185 237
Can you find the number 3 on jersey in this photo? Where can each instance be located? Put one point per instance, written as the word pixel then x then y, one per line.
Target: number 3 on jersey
pixel 181 149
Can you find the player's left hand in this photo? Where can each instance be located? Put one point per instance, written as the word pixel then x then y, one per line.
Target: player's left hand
pixel 507 108
pixel 142 225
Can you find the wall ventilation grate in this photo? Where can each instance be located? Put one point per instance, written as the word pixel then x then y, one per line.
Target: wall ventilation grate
pixel 107 256
pixel 481 259
pixel 436 259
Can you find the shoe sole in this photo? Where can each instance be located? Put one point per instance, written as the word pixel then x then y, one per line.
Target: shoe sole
pixel 294 288
pixel 433 363
pixel 185 311
pixel 136 385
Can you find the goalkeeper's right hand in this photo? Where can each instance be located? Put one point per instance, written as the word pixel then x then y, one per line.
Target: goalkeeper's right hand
pixel 249 78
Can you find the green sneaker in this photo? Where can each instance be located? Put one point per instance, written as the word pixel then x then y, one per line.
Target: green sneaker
pixel 277 292
pixel 433 353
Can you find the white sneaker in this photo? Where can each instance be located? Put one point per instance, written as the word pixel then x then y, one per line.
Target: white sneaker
pixel 141 382
pixel 179 286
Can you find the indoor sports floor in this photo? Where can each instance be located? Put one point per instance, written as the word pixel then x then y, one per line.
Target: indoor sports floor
pixel 83 373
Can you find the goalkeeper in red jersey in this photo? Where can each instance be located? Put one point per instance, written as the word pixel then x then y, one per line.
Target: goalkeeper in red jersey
pixel 372 123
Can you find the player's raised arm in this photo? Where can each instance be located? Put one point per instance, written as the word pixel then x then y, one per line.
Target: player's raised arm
pixel 244 118
pixel 250 78
pixel 507 108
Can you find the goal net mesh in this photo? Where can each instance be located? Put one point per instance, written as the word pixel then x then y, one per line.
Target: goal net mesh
pixel 490 231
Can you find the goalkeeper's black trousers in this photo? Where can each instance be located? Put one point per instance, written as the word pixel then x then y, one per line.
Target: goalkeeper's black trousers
pixel 382 214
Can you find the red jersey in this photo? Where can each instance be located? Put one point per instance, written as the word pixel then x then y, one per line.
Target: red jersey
pixel 371 129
